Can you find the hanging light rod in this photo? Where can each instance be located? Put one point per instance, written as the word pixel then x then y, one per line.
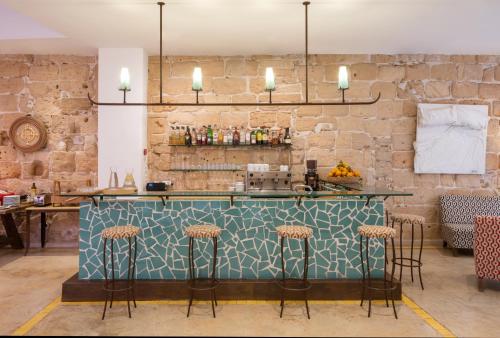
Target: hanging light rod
pixel 270 84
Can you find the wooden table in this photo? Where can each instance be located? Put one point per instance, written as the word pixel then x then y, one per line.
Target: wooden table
pixel 13 237
pixel 43 221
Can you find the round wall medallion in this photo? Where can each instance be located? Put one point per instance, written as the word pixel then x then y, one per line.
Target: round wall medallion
pixel 28 134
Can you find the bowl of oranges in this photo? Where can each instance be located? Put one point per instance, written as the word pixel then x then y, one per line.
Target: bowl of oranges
pixel 343 173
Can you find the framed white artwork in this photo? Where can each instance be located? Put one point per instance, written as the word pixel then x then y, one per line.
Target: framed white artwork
pixel 451 139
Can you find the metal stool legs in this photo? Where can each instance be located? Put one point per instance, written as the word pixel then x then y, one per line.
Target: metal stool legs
pixel 413 262
pixel 305 286
pixel 367 286
pixel 212 284
pixel 110 287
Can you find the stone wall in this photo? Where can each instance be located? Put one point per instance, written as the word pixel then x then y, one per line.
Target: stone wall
pixel 377 139
pixel 52 88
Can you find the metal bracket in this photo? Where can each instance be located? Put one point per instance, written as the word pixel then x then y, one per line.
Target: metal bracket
pixel 307 189
pixel 299 200
pixel 232 200
pixel 163 198
pixel 93 198
pixel 370 197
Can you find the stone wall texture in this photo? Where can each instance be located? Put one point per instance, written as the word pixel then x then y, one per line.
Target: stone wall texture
pixel 52 88
pixel 377 139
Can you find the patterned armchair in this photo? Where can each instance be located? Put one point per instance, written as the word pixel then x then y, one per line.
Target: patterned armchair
pixel 487 248
pixel 457 217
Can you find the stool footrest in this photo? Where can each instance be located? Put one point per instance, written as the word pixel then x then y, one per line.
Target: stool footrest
pixel 294 284
pixel 414 260
pixel 202 284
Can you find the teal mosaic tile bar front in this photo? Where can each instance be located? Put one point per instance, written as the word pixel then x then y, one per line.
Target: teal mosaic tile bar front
pixel 248 247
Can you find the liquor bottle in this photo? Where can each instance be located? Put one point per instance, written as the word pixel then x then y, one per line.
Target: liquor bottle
pixel 274 136
pixel 33 191
pixel 198 137
pixel 224 137
pixel 242 135
pixel 187 137
pixel 220 136
pixel 176 135
pixel 259 136
pixel 204 135
pixel 182 136
pixel 230 135
pixel 236 136
pixel 171 135
pixel 265 136
pixel 215 135
pixel 210 135
pixel 287 138
pixel 253 137
pixel 248 136
pixel 194 137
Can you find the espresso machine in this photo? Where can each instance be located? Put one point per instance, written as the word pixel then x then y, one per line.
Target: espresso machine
pixel 311 176
pixel 269 181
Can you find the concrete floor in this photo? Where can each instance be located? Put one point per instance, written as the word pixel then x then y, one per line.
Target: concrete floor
pixel 450 304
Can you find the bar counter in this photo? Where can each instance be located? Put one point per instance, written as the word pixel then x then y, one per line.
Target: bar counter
pixel 248 246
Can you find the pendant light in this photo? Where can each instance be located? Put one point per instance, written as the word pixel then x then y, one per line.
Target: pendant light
pixel 269 85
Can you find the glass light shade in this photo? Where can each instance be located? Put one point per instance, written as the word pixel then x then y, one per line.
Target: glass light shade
pixel 270 82
pixel 124 79
pixel 197 79
pixel 343 78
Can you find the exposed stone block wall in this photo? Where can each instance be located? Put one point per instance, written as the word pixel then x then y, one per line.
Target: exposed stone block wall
pixel 377 139
pixel 52 88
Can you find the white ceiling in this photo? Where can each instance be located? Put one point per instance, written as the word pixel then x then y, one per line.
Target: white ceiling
pixel 242 27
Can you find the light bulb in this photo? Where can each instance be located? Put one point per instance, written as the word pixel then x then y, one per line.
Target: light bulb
pixel 124 79
pixel 343 78
pixel 270 82
pixel 197 79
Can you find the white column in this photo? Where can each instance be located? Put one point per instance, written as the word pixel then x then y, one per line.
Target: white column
pixel 122 131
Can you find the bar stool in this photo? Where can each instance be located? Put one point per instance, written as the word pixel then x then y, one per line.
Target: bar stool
pixel 379 232
pixel 201 284
pixel 289 284
pixel 114 233
pixel 413 220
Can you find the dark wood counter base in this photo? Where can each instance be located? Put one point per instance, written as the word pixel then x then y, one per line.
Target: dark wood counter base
pixel 75 290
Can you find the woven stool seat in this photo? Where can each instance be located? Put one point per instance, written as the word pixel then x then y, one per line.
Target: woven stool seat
pixel 203 231
pixel 294 231
pixel 407 218
pixel 376 231
pixel 120 231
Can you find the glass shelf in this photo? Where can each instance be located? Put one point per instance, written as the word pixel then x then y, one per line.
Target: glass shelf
pixel 281 145
pixel 185 170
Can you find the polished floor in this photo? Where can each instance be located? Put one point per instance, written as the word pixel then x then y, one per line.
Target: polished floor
pixel 449 306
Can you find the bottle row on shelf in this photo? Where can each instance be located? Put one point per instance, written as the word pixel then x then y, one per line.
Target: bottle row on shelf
pixel 208 135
